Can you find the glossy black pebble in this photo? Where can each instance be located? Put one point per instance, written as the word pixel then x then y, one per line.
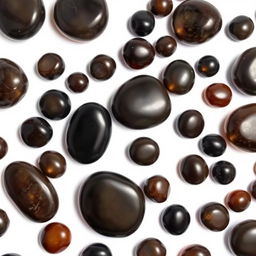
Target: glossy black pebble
pixel 36 132
pixel 223 172
pixel 213 145
pixel 4 222
pixel 55 104
pixel 21 19
pixel 176 219
pixel 106 196
pixel 142 23
pixel 208 66
pixel 141 102
pixel 89 133
pixel 97 250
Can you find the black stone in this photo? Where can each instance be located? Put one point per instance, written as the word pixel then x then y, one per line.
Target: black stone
pixel 97 250
pixel 208 66
pixel 223 172
pixel 213 145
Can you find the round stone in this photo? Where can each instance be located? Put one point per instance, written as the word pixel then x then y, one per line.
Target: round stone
pixel 195 250
pixel 208 66
pixel 151 247
pixel 4 222
pixel 166 46
pixel 97 250
pixel 213 145
pixel 223 172
pixel 77 82
pixel 238 200
pixel 3 148
pixel 161 8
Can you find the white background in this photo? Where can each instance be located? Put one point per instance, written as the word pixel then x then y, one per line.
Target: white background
pixel 22 236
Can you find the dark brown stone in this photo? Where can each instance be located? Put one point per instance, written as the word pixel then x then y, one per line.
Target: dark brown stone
pixel 238 200
pixel 166 46
pixel 4 222
pixel 3 148
pixel 161 7
pixel 195 250
pixel 77 82
pixel 151 247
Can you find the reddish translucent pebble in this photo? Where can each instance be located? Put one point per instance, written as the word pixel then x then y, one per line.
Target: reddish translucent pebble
pixel 161 7
pixel 3 148
pixel 238 200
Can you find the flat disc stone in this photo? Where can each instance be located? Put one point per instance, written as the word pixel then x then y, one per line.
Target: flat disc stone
pixel 141 102
pixel 81 19
pixel 112 204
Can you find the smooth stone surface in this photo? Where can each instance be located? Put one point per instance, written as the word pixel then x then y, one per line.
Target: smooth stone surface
pixel 195 250
pixel 36 132
pixel 190 124
pixel 166 46
pixel 13 83
pixel 21 19
pixel 138 53
pixel 193 169
pixel 151 247
pixel 213 145
pixel 89 133
pixel 3 148
pixel 97 250
pixel 238 200
pixel 208 66
pixel 214 216
pixel 4 222
pixel 31 191
pixel 243 238
pixel 106 196
pixel 176 219
pixel 141 102
pixel 239 127
pixel 144 151
pixel 253 189
pixel 179 77
pixel 77 82
pixel 196 21
pixel 81 19
pixel 161 8
pixel 223 172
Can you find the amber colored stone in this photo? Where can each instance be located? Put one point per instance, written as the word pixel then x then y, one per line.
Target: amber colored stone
pixel 4 222
pixel 55 237
pixel 13 83
pixel 50 66
pixel 214 216
pixel 97 250
pixel 161 7
pixel 81 19
pixel 52 164
pixel 238 200
pixel 196 21
pixel 166 46
pixel 3 148
pixel 77 82
pixel 138 53
pixel 102 67
pixel 195 250
pixel 240 126
pixel 156 188
pixel 151 247
pixel 208 66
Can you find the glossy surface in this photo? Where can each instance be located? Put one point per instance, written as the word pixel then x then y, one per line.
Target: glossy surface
pixel 31 191
pixel 151 247
pixel 142 23
pixel 239 127
pixel 179 77
pixel 190 123
pixel 141 102
pixel 166 46
pixel 97 250
pixel 81 19
pixel 89 133
pixel 238 200
pixel 52 164
pixel 161 7
pixel 195 250
pixel 194 169
pixel 144 151
pixel 176 219
pixel 77 82
pixel 218 95
pixel 208 66
pixel 213 145
pixel 196 21
pixel 241 27
pixel 223 172
pixel 36 132
pixel 253 189
pixel 21 19
pixel 243 238
pixel 106 196
pixel 13 83
pixel 4 222
pixel 50 66
pixel 55 237
pixel 102 67
pixel 157 188
pixel 138 53
pixel 3 148
pixel 214 216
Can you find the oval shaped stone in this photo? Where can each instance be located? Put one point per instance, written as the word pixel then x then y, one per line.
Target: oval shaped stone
pixel 89 133
pixel 13 83
pixel 141 102
pixel 240 127
pixel 112 204
pixel 31 191
pixel 21 19
pixel 81 19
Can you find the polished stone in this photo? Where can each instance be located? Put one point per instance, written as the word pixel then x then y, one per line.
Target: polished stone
pixel 4 222
pixel 195 250
pixel 77 82
pixel 223 172
pixel 31 191
pixel 161 8
pixel 106 196
pixel 238 200
pixel 208 66
pixel 213 145
pixel 97 250
pixel 141 102
pixel 3 148
pixel 253 189
pixel 89 133
pixel 151 247
pixel 166 46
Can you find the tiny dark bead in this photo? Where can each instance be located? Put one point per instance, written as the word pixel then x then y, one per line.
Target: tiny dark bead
pixel 4 222
pixel 77 82
pixel 213 145
pixel 151 247
pixel 161 7
pixel 238 200
pixel 223 172
pixel 166 46
pixel 3 148
pixel 97 250
pixel 208 66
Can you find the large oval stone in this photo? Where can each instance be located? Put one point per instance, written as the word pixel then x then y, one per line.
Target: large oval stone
pixel 13 83
pixel 89 133
pixel 141 102
pixel 31 191
pixel 240 127
pixel 21 19
pixel 112 204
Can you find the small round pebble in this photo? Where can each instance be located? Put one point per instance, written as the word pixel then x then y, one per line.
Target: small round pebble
pixel 166 46
pixel 77 82
pixel 97 250
pixel 3 147
pixel 208 66
pixel 151 247
pixel 195 250
pixel 223 172
pixel 213 145
pixel 161 7
pixel 238 200
pixel 4 222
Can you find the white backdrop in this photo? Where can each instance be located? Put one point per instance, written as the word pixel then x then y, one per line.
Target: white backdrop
pixel 22 236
